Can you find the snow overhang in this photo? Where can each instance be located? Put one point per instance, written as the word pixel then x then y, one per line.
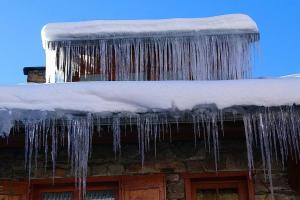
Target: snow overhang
pixel 40 112
pixel 108 29
pixel 145 96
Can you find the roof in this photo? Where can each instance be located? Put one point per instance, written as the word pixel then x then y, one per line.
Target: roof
pixel 143 96
pixel 291 76
pixel 100 29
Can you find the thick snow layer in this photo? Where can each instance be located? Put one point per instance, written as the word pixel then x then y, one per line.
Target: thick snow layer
pixel 122 96
pixel 291 76
pixel 225 24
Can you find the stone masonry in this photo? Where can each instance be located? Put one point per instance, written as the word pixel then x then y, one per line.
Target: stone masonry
pixel 172 159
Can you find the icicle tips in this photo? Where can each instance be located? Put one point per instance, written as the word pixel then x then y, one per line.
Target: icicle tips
pixel 180 49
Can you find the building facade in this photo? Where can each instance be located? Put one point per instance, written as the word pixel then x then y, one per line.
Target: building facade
pixel 179 161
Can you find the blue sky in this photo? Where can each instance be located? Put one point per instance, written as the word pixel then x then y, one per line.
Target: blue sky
pixel 21 23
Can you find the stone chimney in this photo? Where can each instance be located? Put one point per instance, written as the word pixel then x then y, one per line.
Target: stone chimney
pixel 35 74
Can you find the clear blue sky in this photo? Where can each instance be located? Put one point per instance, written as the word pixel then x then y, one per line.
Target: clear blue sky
pixel 21 22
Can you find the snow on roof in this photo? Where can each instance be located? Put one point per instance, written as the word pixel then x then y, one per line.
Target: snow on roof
pixel 131 96
pixel 89 30
pixel 291 76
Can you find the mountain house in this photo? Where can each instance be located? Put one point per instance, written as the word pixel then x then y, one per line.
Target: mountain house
pixel 157 110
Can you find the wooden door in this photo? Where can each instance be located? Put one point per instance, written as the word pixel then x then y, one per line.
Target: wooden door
pixel 150 187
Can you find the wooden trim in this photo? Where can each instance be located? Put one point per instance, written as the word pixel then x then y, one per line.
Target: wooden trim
pixel 154 181
pixel 19 188
pixel 250 185
pixel 68 184
pixel 116 183
pixel 242 180
pixel 93 179
pixel 240 186
pixel 187 188
pixel 221 174
pixel 68 188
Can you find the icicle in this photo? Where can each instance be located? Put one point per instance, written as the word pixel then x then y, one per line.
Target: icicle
pixel 249 141
pixel 273 128
pixel 274 131
pixel 199 57
pixel 80 132
pixel 116 134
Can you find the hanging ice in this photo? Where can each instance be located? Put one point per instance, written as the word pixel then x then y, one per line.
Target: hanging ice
pixel 268 108
pixel 173 49
pixel 276 130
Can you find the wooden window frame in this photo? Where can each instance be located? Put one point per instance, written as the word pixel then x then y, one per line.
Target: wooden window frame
pixel 19 188
pixel 118 184
pixel 39 186
pixel 68 188
pixel 240 180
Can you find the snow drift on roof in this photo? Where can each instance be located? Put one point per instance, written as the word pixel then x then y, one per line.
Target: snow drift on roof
pixel 90 30
pixel 291 76
pixel 266 125
pixel 149 96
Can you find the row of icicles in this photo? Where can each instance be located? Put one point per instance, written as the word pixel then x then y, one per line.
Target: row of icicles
pixel 273 131
pixel 199 57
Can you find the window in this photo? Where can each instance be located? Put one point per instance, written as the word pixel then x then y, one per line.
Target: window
pixel 90 195
pixel 219 186
pixel 57 195
pixel 147 187
pixel 64 189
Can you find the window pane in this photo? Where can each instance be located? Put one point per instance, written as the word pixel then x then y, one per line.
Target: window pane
pixel 57 196
pixel 100 195
pixel 206 194
pixel 228 194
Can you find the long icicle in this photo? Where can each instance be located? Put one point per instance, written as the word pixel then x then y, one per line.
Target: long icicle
pixel 269 130
pixel 199 57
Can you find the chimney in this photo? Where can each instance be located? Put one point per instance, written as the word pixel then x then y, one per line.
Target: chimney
pixel 35 74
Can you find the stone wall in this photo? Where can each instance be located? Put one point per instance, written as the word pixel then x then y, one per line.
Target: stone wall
pixel 172 159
